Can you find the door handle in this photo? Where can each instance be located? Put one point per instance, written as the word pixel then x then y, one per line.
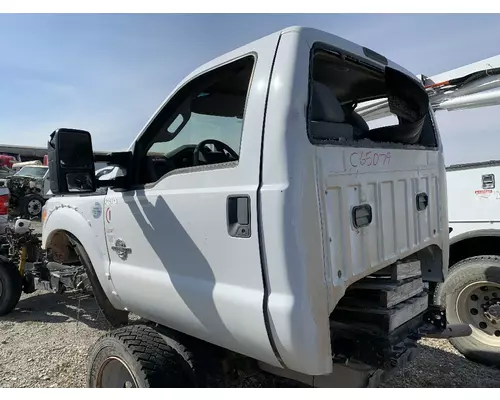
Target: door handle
pixel 362 216
pixel 238 216
pixel 422 201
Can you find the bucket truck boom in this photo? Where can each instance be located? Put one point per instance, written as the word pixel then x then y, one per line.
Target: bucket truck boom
pixel 471 86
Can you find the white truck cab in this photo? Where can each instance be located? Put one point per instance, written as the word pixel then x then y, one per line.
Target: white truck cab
pixel 258 212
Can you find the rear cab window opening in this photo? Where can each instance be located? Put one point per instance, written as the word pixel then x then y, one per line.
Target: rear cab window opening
pixel 340 84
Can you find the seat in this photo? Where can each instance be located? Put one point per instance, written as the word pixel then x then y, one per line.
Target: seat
pixel 357 121
pixel 327 117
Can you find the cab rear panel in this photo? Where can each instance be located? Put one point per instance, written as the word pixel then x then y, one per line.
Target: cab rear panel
pixel 377 206
pixel 336 209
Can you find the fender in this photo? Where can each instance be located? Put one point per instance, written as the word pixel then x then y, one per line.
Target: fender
pixel 88 231
pixel 474 234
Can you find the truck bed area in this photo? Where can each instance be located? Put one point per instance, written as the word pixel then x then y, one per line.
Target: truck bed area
pixel 381 317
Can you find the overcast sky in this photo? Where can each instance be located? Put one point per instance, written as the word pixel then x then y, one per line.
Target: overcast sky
pixel 109 73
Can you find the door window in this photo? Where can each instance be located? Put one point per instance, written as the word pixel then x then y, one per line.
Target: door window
pixel 205 126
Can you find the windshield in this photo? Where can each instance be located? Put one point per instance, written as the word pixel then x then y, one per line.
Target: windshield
pixel 34 172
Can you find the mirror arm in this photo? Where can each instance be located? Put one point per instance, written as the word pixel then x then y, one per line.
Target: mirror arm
pixel 119 159
pixel 119 182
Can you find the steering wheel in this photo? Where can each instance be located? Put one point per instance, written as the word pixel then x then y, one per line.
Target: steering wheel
pixel 219 146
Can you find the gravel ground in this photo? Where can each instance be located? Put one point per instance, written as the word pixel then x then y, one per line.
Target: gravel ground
pixel 44 343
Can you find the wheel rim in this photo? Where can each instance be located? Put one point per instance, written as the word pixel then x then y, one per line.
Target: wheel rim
pixel 114 373
pixel 34 207
pixel 478 305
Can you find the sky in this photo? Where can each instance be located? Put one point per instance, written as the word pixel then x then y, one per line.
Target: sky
pixel 109 73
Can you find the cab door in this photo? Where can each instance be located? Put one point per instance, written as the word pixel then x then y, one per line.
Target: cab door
pixel 184 242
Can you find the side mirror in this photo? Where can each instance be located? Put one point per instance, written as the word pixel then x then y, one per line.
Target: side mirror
pixel 71 162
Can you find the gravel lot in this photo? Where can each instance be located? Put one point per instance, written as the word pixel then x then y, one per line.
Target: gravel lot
pixel 44 343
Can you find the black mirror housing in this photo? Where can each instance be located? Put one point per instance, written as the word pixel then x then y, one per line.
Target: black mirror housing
pixel 71 162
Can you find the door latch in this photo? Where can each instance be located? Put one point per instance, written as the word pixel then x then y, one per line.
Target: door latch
pixel 488 181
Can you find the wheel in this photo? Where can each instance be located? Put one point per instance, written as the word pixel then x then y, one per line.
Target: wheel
pixel 32 206
pixel 471 294
pixel 11 286
pixel 136 356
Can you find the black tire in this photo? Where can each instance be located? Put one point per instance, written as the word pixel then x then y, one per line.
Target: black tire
pixel 32 206
pixel 151 363
pixel 115 317
pixel 204 359
pixel 11 286
pixel 462 274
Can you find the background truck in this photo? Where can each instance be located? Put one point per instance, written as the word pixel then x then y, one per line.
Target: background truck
pixel 258 222
pixel 471 293
pixel 29 189
pixel 473 286
pixel 6 163
pixel 4 208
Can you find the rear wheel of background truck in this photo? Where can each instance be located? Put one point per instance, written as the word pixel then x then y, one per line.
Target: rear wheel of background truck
pixel 11 286
pixel 31 206
pixel 471 294
pixel 137 357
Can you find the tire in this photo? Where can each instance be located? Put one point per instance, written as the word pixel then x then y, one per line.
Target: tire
pixel 203 359
pixel 149 361
pixel 472 272
pixel 11 286
pixel 32 206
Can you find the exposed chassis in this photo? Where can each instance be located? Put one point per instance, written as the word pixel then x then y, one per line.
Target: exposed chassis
pixel 22 247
